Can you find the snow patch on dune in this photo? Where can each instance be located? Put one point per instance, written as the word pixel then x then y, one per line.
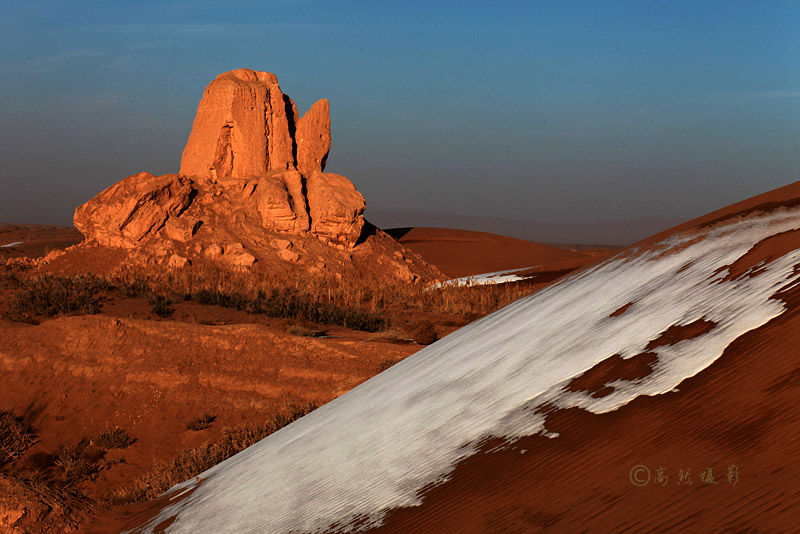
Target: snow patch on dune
pixel 375 447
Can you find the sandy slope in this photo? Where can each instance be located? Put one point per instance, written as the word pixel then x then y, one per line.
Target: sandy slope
pixel 460 253
pixel 737 416
pixel 531 420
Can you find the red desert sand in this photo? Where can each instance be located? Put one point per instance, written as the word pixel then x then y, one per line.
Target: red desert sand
pixel 716 453
pixel 739 417
pixel 459 253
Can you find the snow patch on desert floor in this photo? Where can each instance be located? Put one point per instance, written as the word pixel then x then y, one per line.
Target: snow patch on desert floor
pixel 497 277
pixel 377 446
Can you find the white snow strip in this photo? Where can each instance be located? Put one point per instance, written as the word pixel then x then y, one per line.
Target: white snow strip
pixel 375 447
pixel 497 277
pixel 12 244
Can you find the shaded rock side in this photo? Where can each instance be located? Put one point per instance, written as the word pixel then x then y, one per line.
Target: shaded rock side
pixel 134 208
pixel 314 138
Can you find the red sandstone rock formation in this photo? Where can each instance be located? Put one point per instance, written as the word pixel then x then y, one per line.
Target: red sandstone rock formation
pixel 251 169
pixel 246 139
pixel 130 210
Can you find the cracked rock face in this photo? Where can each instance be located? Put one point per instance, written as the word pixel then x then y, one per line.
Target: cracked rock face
pixel 244 127
pixel 249 158
pixel 313 138
pixel 130 210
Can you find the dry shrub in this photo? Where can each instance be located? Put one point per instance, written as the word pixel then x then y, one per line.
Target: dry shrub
pixel 355 302
pixel 15 437
pixel 49 295
pixel 394 334
pixel 160 306
pixel 75 465
pixel 385 363
pixel 422 332
pixel 114 439
pixel 9 281
pixel 272 294
pixel 302 327
pixel 201 423
pixel 359 303
pixel 192 462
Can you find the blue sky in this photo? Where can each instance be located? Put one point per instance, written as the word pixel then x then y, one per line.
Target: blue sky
pixel 557 111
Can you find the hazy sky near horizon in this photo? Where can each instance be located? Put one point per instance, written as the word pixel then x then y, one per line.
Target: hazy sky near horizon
pixel 555 111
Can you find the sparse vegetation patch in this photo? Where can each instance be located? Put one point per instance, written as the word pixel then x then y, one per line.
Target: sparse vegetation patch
pixel 385 363
pixel 114 439
pixel 194 461
pixel 355 303
pixel 201 423
pixel 15 437
pixel 423 332
pixel 49 295
pixel 75 466
pixel 160 305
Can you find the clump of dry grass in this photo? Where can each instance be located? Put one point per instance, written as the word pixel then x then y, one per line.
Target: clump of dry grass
pixel 423 332
pixel 321 299
pixel 273 295
pixel 75 465
pixel 385 363
pixel 49 295
pixel 9 281
pixel 394 334
pixel 201 423
pixel 114 439
pixel 362 303
pixel 194 461
pixel 304 330
pixel 15 437
pixel 160 305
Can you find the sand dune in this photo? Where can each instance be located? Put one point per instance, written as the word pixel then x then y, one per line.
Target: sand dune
pixel 459 253
pixel 34 240
pixel 653 392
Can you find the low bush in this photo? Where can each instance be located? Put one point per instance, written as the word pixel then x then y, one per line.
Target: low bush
pixel 291 304
pixel 160 305
pixel 385 363
pixel 9 281
pixel 75 465
pixel 358 303
pixel 50 295
pixel 201 423
pixel 15 437
pixel 352 302
pixel 114 439
pixel 422 332
pixel 304 329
